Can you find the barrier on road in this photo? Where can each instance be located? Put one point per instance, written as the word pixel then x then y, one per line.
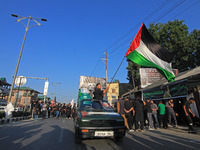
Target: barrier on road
pixel 4 121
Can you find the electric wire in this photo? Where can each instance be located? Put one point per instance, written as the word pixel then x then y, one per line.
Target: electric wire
pixel 138 24
pixel 160 17
pixel 121 38
pixel 117 69
pixel 168 11
pixel 148 17
pixel 186 8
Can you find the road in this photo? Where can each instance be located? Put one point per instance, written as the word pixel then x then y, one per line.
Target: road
pixel 57 134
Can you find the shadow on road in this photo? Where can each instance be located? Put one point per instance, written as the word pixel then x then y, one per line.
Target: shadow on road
pixel 58 134
pixel 39 136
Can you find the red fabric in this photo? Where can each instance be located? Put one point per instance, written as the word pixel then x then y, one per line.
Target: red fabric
pixel 136 42
pixel 83 113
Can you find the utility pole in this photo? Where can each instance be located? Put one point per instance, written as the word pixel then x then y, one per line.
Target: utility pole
pixel 105 60
pixel 55 85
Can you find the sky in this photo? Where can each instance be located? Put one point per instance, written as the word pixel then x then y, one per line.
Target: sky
pixel 76 35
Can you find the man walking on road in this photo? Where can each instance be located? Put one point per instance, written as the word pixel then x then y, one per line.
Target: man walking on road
pixel 188 114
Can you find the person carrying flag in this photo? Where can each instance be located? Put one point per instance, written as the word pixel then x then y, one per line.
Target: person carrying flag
pixel 98 93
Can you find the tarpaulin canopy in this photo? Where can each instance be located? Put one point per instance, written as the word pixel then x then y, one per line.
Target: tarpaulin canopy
pixel 178 88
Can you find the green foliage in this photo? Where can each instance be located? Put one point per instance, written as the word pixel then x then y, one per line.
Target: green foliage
pixel 133 74
pixel 174 37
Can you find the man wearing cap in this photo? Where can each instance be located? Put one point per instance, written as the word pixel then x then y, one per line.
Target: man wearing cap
pixel 98 93
pixel 188 114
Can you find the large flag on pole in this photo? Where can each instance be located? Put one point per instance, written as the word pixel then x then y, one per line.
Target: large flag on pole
pixel 146 52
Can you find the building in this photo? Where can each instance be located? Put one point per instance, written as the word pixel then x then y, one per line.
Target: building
pixel 23 96
pixel 4 90
pixel 113 92
pixel 47 99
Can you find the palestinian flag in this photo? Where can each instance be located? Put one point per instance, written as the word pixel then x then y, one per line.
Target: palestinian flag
pixel 146 52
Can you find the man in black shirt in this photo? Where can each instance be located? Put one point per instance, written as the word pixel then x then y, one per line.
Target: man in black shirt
pixel 139 114
pixel 149 114
pixel 98 93
pixel 129 111
pixel 188 114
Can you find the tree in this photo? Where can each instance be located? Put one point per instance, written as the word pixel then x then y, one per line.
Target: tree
pixel 194 44
pixel 133 74
pixel 174 37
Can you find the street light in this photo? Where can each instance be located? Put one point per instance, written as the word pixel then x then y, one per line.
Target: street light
pixel 27 27
pixel 55 85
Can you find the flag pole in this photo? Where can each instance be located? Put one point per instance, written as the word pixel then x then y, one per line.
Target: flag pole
pixel 117 71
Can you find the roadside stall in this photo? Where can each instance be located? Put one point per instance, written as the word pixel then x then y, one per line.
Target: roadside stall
pixel 186 85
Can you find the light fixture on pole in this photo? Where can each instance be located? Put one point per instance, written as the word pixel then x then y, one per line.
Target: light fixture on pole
pixel 55 85
pixel 27 27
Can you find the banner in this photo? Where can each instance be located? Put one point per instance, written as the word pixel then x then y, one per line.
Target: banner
pixel 172 90
pixel 89 84
pixel 46 86
pixel 151 75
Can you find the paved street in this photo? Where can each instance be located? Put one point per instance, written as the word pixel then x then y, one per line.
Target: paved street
pixel 57 134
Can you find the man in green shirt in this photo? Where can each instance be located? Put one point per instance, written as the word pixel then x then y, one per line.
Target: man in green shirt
pixel 162 116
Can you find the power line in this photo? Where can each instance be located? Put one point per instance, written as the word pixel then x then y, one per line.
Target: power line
pixel 126 34
pixel 138 24
pixel 168 11
pixel 95 67
pixel 187 8
pixel 145 19
pixel 160 17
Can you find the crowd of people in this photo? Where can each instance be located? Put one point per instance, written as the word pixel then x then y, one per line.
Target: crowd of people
pixel 151 115
pixel 39 109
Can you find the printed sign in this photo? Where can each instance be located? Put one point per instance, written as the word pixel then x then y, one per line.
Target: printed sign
pixel 151 75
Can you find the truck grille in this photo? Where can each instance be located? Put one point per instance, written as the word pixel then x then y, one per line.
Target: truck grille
pixel 105 123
